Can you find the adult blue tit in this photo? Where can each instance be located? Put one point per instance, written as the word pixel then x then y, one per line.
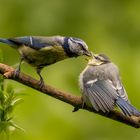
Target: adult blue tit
pixel 42 51
pixel 102 88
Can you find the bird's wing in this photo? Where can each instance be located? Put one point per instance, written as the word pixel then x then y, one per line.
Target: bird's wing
pixel 33 42
pixel 120 90
pixel 101 94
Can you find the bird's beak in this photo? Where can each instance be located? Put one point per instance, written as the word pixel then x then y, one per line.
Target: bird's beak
pixel 87 53
pixel 94 62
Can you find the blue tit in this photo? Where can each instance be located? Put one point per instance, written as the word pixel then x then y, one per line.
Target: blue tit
pixel 42 51
pixel 102 88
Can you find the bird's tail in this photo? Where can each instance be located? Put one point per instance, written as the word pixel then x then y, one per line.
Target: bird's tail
pixel 127 108
pixel 9 42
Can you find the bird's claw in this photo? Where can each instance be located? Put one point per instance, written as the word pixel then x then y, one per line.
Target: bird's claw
pixel 75 109
pixel 16 72
pixel 41 84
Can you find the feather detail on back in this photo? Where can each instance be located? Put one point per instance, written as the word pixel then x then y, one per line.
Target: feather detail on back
pixel 102 89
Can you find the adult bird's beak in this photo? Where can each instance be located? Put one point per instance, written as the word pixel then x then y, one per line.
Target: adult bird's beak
pixel 87 53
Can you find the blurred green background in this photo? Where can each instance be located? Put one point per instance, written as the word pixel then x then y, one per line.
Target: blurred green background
pixel 111 27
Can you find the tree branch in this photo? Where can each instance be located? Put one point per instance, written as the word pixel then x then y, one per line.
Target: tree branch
pixel 75 101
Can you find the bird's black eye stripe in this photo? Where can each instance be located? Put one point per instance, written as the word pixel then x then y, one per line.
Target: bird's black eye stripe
pixel 96 57
pixel 82 46
pixel 79 42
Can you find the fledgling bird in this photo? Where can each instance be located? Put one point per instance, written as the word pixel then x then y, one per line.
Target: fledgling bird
pixel 42 51
pixel 102 88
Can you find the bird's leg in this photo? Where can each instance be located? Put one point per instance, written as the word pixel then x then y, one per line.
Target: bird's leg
pixel 17 71
pixel 76 108
pixel 41 81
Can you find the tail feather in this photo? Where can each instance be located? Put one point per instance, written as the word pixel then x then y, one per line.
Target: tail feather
pixel 7 41
pixel 127 108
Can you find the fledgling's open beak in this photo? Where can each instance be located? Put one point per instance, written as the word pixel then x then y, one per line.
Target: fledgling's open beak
pixel 90 56
pixel 94 61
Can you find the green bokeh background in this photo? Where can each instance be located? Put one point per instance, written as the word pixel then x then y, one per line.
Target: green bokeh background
pixel 111 27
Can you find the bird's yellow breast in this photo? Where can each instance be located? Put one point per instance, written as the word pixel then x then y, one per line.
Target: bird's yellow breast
pixel 44 56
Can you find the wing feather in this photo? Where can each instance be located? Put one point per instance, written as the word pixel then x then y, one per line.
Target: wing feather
pixel 93 100
pixel 33 42
pixel 89 99
pixel 101 95
pixel 98 101
pixel 99 92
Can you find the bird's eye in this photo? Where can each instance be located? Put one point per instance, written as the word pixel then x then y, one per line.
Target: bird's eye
pixel 83 48
pixel 80 45
pixel 96 57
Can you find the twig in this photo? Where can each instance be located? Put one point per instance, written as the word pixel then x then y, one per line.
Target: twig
pixel 75 101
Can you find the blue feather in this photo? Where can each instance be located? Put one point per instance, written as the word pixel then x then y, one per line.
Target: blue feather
pixel 6 41
pixel 28 41
pixel 127 108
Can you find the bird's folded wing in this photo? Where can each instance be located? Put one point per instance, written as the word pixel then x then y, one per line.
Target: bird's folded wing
pixel 33 42
pixel 121 91
pixel 101 94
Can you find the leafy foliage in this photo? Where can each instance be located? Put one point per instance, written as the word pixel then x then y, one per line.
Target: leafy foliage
pixel 110 27
pixel 8 101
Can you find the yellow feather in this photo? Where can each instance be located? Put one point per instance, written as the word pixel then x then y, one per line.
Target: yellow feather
pixel 44 56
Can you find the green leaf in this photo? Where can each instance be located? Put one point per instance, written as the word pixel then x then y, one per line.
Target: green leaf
pixel 16 126
pixel 16 101
pixel 8 110
pixel 1 111
pixel 9 89
pixel 4 125
pixel 8 101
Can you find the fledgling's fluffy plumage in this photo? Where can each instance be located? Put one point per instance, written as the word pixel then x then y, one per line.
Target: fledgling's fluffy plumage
pixel 42 51
pixel 102 88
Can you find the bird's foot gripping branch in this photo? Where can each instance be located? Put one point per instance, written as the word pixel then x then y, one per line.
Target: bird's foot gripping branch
pixel 65 97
